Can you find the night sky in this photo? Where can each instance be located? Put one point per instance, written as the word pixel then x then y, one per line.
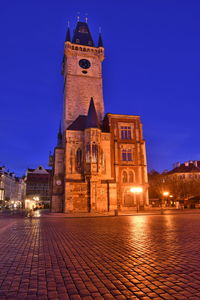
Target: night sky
pixel 152 69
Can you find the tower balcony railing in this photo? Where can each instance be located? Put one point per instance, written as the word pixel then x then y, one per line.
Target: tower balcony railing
pixel 76 47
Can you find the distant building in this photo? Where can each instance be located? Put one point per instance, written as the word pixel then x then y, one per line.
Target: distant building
pixel 186 170
pixel 12 188
pixel 38 185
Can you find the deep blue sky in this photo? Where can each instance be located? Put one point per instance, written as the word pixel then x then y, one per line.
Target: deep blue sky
pixel 152 69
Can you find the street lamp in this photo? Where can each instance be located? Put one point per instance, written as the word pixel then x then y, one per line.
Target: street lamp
pixel 136 190
pixel 165 196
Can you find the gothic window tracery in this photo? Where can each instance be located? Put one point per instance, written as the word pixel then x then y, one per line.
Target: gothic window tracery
pixel 94 153
pixel 88 153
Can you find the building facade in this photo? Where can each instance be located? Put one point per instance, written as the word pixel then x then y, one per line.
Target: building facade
pixel 98 158
pixel 12 188
pixel 38 185
pixel 187 170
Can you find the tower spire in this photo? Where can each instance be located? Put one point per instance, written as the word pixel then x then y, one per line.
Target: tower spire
pixel 92 119
pixel 59 136
pixel 82 35
pixel 100 41
pixel 68 36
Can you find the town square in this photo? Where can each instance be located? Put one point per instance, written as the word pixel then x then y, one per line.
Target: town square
pixel 99 154
pixel 123 257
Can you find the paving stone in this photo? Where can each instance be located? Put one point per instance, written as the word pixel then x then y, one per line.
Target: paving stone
pixel 133 257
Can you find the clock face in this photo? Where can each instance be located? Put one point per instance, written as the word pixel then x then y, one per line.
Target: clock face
pixel 84 63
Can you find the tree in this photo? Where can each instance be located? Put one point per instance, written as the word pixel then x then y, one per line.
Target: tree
pixel 180 189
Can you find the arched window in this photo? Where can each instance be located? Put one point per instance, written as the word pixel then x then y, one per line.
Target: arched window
pixel 131 176
pixel 124 177
pixel 94 153
pixel 88 153
pixel 78 159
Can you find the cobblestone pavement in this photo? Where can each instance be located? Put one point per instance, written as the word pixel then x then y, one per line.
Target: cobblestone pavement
pixel 126 257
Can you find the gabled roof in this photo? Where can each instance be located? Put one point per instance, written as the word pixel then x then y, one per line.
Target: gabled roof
pixel 78 124
pixel 183 168
pixel 89 121
pixel 82 35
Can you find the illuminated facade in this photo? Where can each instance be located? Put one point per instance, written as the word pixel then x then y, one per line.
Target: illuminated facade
pixel 98 157
pixel 38 185
pixel 12 188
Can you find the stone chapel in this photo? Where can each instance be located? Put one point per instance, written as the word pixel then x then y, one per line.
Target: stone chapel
pixel 98 158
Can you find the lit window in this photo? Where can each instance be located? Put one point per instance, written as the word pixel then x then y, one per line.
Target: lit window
pixel 88 153
pixel 125 132
pixel 94 153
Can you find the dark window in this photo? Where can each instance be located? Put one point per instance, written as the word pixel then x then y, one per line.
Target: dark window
pixel 127 155
pixel 125 132
pixel 78 159
pixel 83 29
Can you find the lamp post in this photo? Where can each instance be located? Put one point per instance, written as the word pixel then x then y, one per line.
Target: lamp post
pixel 165 196
pixel 136 190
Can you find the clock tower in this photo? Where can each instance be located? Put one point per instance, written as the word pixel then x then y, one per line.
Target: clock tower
pixel 82 71
pixel 98 158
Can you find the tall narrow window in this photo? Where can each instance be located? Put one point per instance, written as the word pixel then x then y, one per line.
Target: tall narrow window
pixel 124 177
pixel 78 159
pixel 125 132
pixel 87 153
pixel 94 153
pixel 129 155
pixel 131 176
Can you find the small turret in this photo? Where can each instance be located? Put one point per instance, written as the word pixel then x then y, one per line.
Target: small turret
pixel 68 36
pixel 59 137
pixel 100 41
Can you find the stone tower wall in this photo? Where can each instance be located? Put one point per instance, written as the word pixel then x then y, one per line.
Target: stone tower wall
pixel 79 87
